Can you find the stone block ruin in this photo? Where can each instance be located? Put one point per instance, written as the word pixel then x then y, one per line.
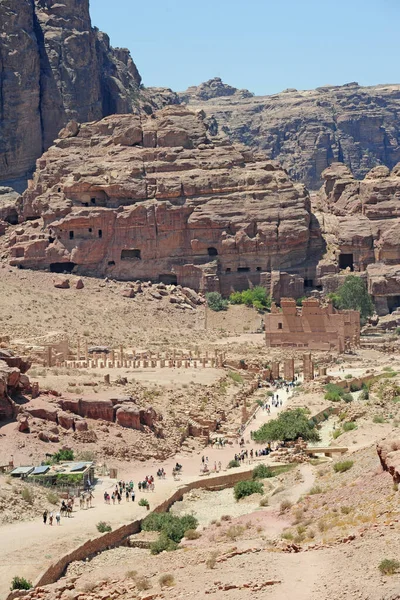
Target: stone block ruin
pixel 314 326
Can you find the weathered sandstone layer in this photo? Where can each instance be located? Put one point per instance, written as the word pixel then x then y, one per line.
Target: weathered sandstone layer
pixel 153 198
pixel 308 130
pixel 360 221
pixel 54 67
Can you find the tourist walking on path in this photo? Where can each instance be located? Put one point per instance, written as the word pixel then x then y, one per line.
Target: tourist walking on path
pixel 51 518
pixel 58 518
pixel 45 517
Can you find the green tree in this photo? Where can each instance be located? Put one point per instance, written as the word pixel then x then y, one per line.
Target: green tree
pixel 290 425
pixel 353 295
pixel 216 302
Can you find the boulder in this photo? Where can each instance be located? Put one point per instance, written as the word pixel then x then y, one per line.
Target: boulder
pixel 65 420
pixel 148 416
pixel 81 425
pixel 41 411
pixel 62 283
pixel 129 416
pixel 79 285
pixel 23 424
pixel 128 293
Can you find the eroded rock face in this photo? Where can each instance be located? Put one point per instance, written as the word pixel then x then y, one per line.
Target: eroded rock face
pixel 360 221
pixel 12 382
pixel 56 67
pixel 154 198
pixel 308 130
pixel 389 455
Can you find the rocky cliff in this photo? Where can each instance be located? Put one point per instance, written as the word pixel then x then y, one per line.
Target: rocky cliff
pixel 133 197
pixel 54 67
pixel 308 130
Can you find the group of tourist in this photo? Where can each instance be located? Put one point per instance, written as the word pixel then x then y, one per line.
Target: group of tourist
pixel 50 516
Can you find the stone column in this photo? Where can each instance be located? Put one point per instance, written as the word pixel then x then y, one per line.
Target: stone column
pixel 308 367
pixel 288 369
pixel 49 356
pixel 275 370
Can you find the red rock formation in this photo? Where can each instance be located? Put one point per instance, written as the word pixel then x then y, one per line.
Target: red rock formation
pixel 129 416
pixel 361 225
pixel 153 198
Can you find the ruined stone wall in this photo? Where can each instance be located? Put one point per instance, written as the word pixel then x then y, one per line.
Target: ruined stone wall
pixel 314 326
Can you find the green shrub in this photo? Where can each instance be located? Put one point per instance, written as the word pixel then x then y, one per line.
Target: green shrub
pixel 62 455
pixel 20 583
pixel 236 377
pixel 173 526
pixel 378 419
pixel 256 297
pixel 342 466
pixel 349 426
pixel 233 464
pixel 364 394
pixel 355 387
pixel 348 376
pixel 143 502
pixel 163 543
pixel 389 566
pixel 103 527
pixel 336 433
pixel 216 302
pixel 299 301
pixel 262 472
pixel 353 295
pixel 247 488
pixel 334 393
pixel 288 426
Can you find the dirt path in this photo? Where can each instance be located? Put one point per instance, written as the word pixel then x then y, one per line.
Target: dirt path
pixel 27 548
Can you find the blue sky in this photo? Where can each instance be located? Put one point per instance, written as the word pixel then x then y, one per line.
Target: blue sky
pixel 262 45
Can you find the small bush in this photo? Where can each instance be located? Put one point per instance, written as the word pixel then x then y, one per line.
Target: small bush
pixel 192 534
pixel 62 455
pixel 143 583
pixel 349 426
pixel 378 419
pixel 355 387
pixel 285 505
pixel 348 376
pixel 216 302
pixel 226 518
pixel 53 498
pixel 389 566
pixel 336 433
pixel 262 472
pixel 163 543
pixel 343 466
pixel 345 510
pixel 287 535
pixel 211 560
pixel 234 531
pixel 316 489
pixel 20 583
pixel 247 488
pixel 103 527
pixel 28 495
pixel 264 501
pixel 233 464
pixel 166 580
pixel 172 526
pixel 143 502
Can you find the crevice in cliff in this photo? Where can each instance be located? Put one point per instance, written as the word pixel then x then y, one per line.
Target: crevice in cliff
pixel 42 60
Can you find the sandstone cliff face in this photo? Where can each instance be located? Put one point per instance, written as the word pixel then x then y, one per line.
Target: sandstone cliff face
pixel 153 198
pixel 308 130
pixel 54 67
pixel 360 221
